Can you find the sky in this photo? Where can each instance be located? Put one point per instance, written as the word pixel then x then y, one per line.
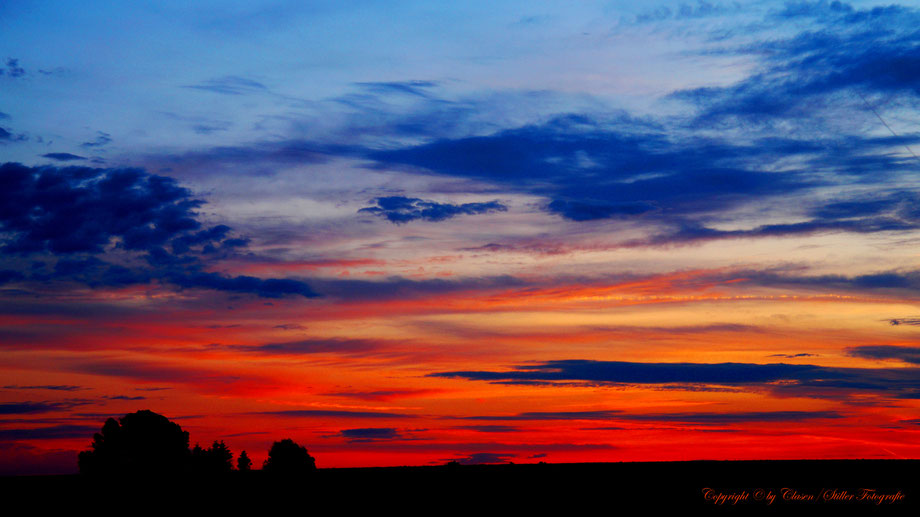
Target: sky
pixel 406 233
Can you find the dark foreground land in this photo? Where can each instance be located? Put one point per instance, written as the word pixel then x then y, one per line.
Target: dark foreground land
pixel 867 486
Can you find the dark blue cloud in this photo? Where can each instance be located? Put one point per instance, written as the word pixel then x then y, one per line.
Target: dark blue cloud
pixel 594 170
pixel 5 135
pixel 403 288
pixel 63 157
pixel 75 215
pixel 778 378
pixel 685 417
pixel 581 211
pixel 367 434
pixel 56 432
pixel 53 387
pixel 899 353
pixel 266 288
pixel 873 51
pixel 79 209
pixel 739 417
pixel 331 413
pixel 12 68
pixel 24 408
pixel 647 373
pixel 101 139
pixel 489 428
pixel 399 209
pixel 485 458
pixel 552 415
pixel 905 321
pixel 895 281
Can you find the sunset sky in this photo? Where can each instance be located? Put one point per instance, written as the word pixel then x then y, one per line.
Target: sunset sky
pixel 404 233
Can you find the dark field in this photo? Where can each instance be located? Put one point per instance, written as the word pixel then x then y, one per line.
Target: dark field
pixel 595 488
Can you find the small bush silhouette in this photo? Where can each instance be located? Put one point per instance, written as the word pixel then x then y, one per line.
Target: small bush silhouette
pixel 140 443
pixel 288 458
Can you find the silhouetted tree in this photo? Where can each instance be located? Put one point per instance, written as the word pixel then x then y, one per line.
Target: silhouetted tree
pixel 220 459
pixel 197 455
pixel 243 463
pixel 215 460
pixel 288 458
pixel 143 442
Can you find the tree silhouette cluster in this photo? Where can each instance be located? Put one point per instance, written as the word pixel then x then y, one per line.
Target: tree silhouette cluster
pixel 146 443
pixel 216 459
pixel 288 458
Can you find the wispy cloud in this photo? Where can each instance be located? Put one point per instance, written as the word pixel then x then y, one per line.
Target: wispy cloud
pixel 230 85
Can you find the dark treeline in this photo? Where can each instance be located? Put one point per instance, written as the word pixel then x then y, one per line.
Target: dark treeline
pixel 147 443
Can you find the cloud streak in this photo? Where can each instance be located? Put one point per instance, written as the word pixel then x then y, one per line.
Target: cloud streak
pixel 780 379
pixel 400 210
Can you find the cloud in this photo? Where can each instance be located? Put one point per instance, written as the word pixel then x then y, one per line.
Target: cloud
pixel 593 169
pixel 485 458
pixel 230 85
pixel 290 326
pixel 24 408
pixel 552 415
pixel 53 387
pixel 369 434
pixel 332 413
pixel 416 88
pixel 738 417
pixel 905 321
pixel 187 374
pixel 79 209
pixel 893 281
pixel 403 288
pixel 887 352
pixel 63 157
pixel 57 432
pixel 684 417
pixel 489 428
pixel 817 9
pixel 144 226
pixel 581 211
pixel 101 140
pixel 12 68
pixel 398 209
pixel 779 379
pixel 309 346
pixel 664 173
pixel 844 50
pixel 644 373
pixel 383 395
